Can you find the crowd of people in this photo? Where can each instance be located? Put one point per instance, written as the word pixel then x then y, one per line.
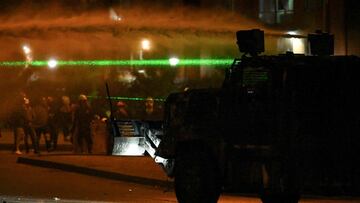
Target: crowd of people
pixel 45 118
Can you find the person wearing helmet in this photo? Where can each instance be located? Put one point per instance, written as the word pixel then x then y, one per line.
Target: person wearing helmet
pixel 82 98
pixel 81 129
pixel 28 129
pixel 65 117
pixel 121 112
pixel 150 112
pixel 21 119
pixel 40 121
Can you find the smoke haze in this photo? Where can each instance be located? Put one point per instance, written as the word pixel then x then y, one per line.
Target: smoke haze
pixel 85 35
pixel 67 34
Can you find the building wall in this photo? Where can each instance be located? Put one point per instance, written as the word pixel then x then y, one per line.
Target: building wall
pixel 338 17
pixel 352 27
pixel 336 25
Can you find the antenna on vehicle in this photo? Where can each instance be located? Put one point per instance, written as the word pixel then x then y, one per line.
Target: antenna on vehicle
pixel 321 44
pixel 250 41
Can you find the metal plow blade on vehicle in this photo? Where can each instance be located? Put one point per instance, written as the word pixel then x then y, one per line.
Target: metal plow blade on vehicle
pixel 138 138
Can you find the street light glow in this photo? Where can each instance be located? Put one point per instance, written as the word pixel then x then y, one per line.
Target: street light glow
pixel 28 56
pixel 52 63
pixel 292 33
pixel 114 16
pixel 145 44
pixel 174 61
pixel 26 50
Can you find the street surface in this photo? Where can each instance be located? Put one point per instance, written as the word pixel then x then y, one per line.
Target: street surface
pixel 37 184
pixel 20 180
pixel 61 176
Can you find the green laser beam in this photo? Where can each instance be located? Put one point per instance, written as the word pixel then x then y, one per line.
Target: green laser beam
pixel 165 63
pixel 125 98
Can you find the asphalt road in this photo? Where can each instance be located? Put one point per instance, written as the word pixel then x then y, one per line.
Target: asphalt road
pixel 26 181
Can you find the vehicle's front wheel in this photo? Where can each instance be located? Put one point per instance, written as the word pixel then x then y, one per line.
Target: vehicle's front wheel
pixel 279 185
pixel 197 178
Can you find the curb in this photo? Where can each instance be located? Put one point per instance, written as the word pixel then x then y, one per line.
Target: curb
pixel 94 172
pixel 60 147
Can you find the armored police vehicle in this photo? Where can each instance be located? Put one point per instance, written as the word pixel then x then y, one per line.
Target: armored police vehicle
pixel 280 126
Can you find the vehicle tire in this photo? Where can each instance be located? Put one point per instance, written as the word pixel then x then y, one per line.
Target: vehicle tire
pixel 197 178
pixel 281 187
